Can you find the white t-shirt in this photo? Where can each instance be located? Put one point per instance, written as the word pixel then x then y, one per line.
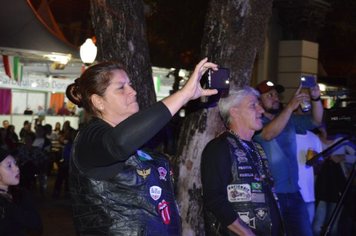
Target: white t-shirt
pixel 305 172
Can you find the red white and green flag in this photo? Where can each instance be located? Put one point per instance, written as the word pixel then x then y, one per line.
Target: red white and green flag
pixel 13 67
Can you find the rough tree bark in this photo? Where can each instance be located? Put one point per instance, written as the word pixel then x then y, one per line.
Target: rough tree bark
pixel 234 33
pixel 120 31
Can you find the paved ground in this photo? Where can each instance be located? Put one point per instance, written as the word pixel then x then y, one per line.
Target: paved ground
pixel 56 213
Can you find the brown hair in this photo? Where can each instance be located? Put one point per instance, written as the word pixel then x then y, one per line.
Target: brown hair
pixel 94 80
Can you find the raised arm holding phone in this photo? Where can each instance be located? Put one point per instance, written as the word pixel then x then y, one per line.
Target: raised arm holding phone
pixel 119 187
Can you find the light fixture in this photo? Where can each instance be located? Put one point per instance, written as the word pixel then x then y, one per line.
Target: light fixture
pixel 322 87
pixel 58 57
pixel 181 73
pixel 88 52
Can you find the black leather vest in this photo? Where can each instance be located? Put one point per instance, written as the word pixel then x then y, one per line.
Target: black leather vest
pixel 139 200
pixel 250 196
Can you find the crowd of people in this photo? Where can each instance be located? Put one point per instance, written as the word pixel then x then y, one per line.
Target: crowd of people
pixel 40 151
pixel 27 159
pixel 64 110
pixel 255 177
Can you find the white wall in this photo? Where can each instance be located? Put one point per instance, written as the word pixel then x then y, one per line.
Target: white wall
pixel 21 99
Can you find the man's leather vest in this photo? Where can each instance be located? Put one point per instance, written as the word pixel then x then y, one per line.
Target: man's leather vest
pixel 139 200
pixel 249 195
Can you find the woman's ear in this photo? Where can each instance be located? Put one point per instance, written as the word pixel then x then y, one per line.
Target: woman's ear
pixel 97 102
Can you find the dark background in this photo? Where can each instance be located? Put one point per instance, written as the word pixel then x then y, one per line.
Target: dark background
pixel 175 29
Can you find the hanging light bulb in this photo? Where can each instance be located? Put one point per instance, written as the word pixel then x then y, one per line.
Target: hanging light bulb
pixel 88 52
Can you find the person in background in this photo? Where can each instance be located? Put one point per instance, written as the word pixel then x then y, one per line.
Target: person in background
pixel 41 140
pixel 11 138
pixel 63 166
pixel 49 132
pixel 33 163
pixel 56 152
pixel 117 186
pixel 65 132
pixel 3 138
pixel 63 111
pixel 41 113
pixel 308 145
pixel 236 182
pixel 278 139
pixel 330 183
pixel 57 128
pixel 18 215
pixel 26 130
pixel 56 131
pixel 5 124
pixel 28 111
pixel 50 111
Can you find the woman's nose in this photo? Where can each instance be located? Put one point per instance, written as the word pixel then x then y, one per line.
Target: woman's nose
pixel 131 90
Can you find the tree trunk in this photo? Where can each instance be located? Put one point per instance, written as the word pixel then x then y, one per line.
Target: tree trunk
pixel 120 31
pixel 234 33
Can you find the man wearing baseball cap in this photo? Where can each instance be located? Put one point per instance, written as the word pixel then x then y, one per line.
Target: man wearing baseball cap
pixel 278 139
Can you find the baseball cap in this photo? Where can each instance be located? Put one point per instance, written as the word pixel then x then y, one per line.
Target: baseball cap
pixel 266 86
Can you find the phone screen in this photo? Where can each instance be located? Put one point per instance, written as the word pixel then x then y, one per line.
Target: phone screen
pixel 219 79
pixel 308 81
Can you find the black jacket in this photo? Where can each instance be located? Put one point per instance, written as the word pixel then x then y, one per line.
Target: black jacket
pixel 18 214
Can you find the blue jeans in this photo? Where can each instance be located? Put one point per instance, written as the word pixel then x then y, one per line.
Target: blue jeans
pixel 322 216
pixel 295 215
pixel 311 211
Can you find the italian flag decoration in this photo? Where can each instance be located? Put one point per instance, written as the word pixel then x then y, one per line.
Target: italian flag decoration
pixel 13 67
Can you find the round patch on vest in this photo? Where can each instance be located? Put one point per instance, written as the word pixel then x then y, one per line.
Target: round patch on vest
pixel 155 192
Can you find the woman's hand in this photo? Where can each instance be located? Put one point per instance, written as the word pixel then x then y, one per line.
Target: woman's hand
pixel 192 88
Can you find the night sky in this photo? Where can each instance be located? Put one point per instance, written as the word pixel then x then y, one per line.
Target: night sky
pixel 176 39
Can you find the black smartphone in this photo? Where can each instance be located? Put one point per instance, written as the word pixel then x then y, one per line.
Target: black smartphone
pixel 308 81
pixel 219 79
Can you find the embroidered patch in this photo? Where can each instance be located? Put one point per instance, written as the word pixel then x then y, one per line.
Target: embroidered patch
pixel 244 167
pixel 163 208
pixel 162 173
pixel 143 156
pixel 239 192
pixel 251 222
pixel 261 213
pixel 242 159
pixel 155 192
pixel 246 175
pixel 240 153
pixel 241 156
pixel 144 172
pixel 258 197
pixel 256 187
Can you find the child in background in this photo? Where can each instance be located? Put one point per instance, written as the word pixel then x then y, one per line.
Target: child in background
pixel 18 215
